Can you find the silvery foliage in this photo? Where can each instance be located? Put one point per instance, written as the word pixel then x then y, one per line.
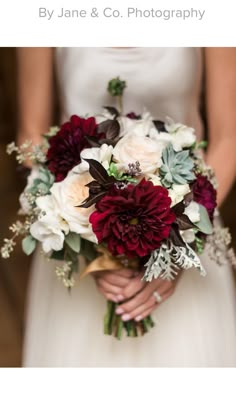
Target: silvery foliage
pixel 176 168
pixel 168 259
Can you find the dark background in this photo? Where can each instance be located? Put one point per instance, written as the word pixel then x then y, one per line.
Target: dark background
pixel 14 272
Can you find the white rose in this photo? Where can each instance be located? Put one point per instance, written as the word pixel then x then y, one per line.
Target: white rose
pixel 182 135
pixel 192 211
pixel 155 179
pixel 132 148
pixel 47 230
pixel 68 195
pixel 50 226
pixel 177 193
pixel 101 154
pixel 139 127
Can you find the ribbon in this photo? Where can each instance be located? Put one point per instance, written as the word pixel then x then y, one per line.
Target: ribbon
pixel 106 262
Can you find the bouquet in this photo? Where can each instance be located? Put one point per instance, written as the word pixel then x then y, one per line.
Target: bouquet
pixel 124 191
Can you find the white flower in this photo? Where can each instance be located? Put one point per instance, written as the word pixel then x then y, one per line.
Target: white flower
pixel 101 154
pixel 50 226
pixel 68 195
pixel 188 235
pixel 104 116
pixel 177 193
pixel 155 179
pixel 192 211
pixel 132 148
pixel 182 135
pixel 139 127
pixel 48 231
pixel 24 203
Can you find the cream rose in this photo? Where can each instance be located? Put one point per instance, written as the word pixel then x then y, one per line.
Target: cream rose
pixel 68 195
pixel 132 148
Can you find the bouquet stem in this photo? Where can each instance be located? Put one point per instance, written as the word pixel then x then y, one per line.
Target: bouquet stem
pixel 113 324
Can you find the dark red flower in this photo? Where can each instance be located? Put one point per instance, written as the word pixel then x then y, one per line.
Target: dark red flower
pixel 67 144
pixel 132 115
pixel 133 221
pixel 205 194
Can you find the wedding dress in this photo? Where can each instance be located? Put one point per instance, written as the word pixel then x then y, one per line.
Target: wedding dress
pixel 196 327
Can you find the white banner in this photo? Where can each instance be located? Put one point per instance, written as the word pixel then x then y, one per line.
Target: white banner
pixel 117 23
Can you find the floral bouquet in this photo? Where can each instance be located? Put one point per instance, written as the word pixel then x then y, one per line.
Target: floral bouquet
pixel 124 191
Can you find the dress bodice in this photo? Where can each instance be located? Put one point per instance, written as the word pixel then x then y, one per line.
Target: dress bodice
pixel 166 81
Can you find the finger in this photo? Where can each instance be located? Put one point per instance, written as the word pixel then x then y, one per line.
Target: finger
pixel 146 313
pixel 126 272
pixel 107 287
pixel 140 314
pixel 151 302
pixel 139 300
pixel 107 295
pixel 116 280
pixel 135 285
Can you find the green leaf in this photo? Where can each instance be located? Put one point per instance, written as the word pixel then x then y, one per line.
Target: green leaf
pixel 202 145
pixel 28 245
pixel 57 255
pixel 88 250
pixel 73 240
pixel 204 225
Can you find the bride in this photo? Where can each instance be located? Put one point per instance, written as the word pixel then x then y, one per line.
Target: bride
pixel 195 316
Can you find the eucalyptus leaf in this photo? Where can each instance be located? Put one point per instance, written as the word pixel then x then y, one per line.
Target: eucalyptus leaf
pixel 204 225
pixel 28 245
pixel 73 240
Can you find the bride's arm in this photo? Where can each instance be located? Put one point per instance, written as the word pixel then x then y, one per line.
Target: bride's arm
pixel 35 92
pixel 221 115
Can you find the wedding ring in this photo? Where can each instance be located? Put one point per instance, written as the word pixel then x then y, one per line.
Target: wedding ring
pixel 157 296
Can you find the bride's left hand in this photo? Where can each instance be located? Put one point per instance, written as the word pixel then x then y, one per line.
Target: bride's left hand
pixel 140 299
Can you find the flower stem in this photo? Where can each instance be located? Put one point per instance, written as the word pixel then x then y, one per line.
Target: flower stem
pixel 120 103
pixel 108 318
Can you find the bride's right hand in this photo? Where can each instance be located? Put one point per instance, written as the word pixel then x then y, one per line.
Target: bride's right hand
pixel 111 283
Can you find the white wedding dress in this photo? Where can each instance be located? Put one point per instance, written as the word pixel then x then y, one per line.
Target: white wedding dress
pixel 196 327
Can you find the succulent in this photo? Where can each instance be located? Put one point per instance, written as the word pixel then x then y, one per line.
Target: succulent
pixel 116 87
pixel 43 183
pixel 176 168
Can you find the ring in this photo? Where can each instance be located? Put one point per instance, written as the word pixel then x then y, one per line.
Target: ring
pixel 157 296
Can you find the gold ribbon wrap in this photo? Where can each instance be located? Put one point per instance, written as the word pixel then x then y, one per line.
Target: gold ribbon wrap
pixel 106 262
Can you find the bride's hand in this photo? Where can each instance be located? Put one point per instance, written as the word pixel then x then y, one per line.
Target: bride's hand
pixel 112 283
pixel 141 298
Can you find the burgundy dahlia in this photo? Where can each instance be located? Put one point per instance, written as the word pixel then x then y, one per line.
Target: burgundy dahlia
pixel 66 146
pixel 204 194
pixel 133 221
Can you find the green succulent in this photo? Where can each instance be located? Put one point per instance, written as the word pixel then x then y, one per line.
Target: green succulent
pixel 43 183
pixel 176 168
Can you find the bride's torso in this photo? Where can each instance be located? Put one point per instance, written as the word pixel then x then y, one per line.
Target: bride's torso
pixel 166 81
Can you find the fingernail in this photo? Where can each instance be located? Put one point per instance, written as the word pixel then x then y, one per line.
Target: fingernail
pixel 138 318
pixel 119 310
pixel 125 317
pixel 120 297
